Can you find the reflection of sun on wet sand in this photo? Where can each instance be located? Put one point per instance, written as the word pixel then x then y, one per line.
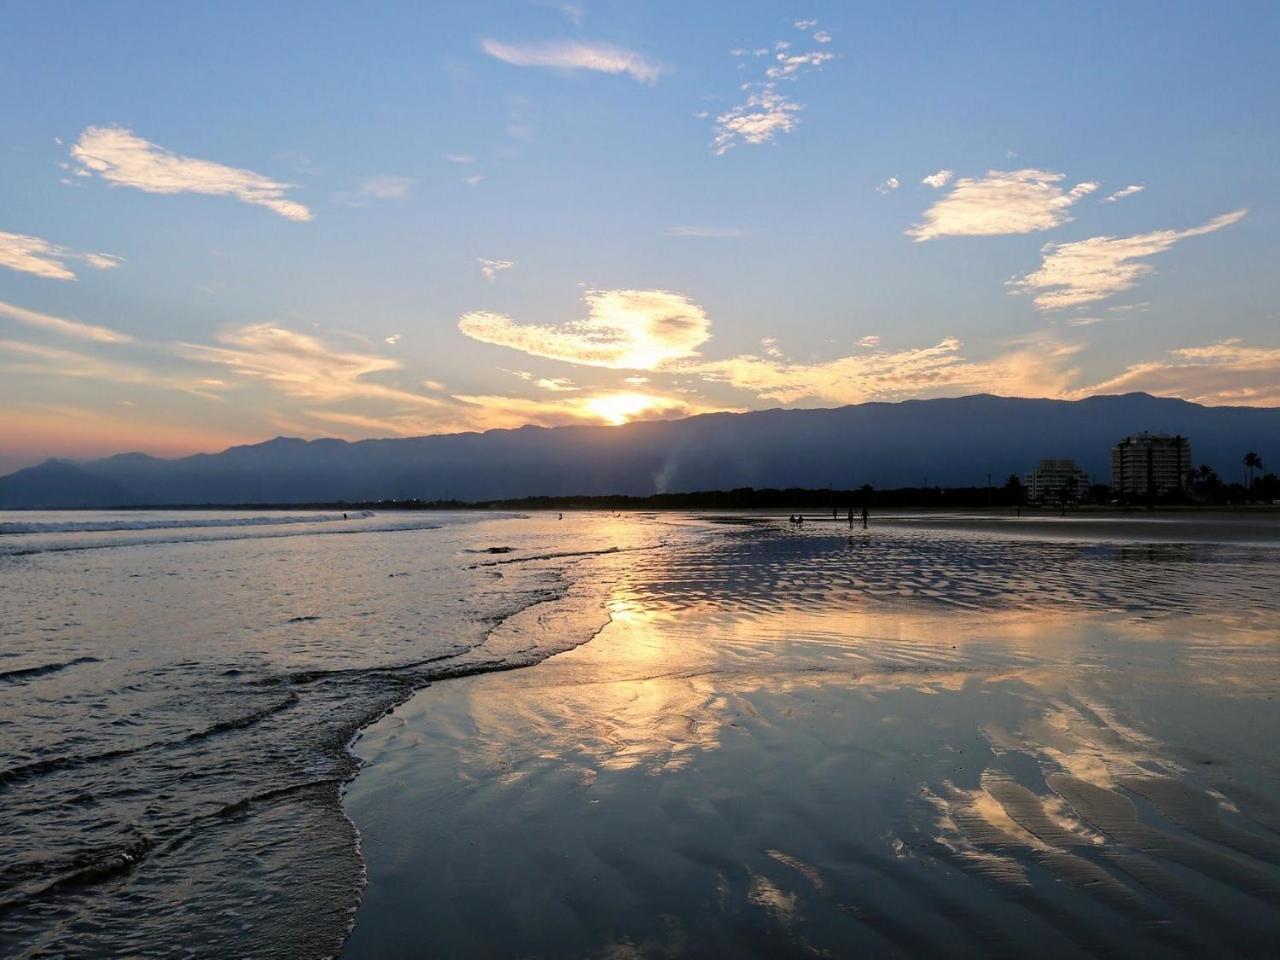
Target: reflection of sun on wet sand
pixel 754 758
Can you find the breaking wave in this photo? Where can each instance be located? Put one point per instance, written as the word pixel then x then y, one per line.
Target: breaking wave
pixel 100 525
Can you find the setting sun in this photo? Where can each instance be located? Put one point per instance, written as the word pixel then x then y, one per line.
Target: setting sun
pixel 619 408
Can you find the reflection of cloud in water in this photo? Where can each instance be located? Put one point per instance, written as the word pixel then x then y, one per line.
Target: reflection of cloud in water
pixel 1010 769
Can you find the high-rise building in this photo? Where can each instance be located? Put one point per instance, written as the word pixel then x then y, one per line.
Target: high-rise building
pixel 1053 478
pixel 1150 464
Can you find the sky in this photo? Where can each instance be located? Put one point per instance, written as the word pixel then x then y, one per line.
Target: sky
pixel 224 222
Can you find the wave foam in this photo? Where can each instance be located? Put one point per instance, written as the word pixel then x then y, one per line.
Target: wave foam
pixel 105 526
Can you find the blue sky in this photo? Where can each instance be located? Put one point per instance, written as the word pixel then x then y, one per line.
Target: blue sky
pixel 220 223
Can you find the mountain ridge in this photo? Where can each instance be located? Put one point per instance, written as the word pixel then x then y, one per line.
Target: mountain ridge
pixel 946 441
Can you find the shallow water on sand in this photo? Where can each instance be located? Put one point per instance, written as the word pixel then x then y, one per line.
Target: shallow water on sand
pixel 178 689
pixel 907 741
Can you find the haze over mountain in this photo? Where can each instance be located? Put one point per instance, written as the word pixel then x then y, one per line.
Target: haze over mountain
pixel 948 442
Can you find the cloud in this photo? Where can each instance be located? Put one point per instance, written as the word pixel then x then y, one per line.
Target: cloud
pixel 67 328
pixel 1076 273
pixel 1223 373
pixel 766 113
pixel 821 36
pixel 938 180
pixel 1018 201
pixel 760 119
pixel 610 407
pixel 103 261
pixel 869 341
pixel 18 357
pixel 123 159
pixel 556 384
pixel 889 185
pixel 491 268
pixel 474 179
pixel 805 25
pixel 704 232
pixel 392 340
pixel 1031 368
pixel 573 55
pixel 624 330
pixel 299 365
pixel 789 65
pixel 571 11
pixel 460 158
pixel 1128 191
pixel 28 254
pixel 384 186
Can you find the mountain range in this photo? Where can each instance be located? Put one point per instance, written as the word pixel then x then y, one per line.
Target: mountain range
pixel 945 442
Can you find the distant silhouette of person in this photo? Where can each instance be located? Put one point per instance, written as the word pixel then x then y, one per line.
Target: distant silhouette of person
pixel 560 516
pixel 344 516
pixel 800 519
pixel 851 518
pixel 866 515
pixel 833 513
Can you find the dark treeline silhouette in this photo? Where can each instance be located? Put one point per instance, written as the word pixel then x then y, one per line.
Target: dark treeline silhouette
pixel 821 501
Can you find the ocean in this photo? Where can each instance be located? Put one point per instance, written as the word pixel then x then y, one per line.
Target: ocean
pixel 178 691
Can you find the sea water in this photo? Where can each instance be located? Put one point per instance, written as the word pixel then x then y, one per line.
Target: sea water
pixel 178 691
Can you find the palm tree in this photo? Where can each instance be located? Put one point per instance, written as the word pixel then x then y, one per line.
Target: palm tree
pixel 1251 462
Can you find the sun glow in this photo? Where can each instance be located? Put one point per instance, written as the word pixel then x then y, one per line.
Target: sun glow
pixel 616 409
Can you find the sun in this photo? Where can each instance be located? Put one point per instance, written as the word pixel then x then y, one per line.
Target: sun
pixel 616 409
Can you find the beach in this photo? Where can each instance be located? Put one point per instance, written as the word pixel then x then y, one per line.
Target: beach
pixel 647 734
pixel 938 736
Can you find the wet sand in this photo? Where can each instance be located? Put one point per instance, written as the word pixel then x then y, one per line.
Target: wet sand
pixel 766 752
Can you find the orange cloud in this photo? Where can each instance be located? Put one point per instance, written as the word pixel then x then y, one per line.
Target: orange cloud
pixel 1226 373
pixel 624 330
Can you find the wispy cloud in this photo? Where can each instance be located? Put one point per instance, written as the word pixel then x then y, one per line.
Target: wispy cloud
pixel 821 36
pixel 1018 201
pixel 805 25
pixel 1128 191
pixel 624 329
pixel 1076 273
pixel 1039 368
pixel 573 12
pixel 1223 373
pixel 299 365
pixel 28 254
pixel 552 384
pixel 788 66
pixel 19 357
pixel 704 232
pixel 460 158
pixel 574 55
pixel 491 268
pixel 121 158
pixel 889 185
pixel 66 328
pixel 384 186
pixel 938 180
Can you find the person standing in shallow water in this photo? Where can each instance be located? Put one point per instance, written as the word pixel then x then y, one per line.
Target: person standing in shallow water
pixel 866 515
